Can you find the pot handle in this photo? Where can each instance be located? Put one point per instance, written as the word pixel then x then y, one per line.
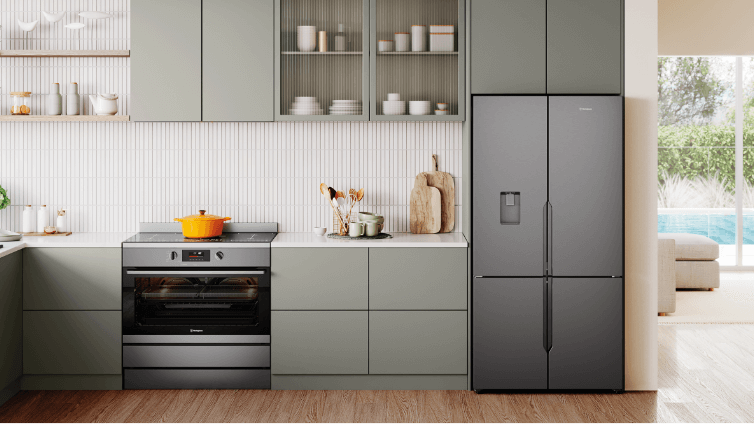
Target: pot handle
pixel 227 218
pixel 178 219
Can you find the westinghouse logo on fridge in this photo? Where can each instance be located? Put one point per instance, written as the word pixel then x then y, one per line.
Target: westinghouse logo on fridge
pixel 585 108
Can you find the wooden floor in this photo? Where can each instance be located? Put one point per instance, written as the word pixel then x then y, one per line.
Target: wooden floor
pixel 706 374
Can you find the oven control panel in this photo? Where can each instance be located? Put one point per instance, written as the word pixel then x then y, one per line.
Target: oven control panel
pixel 196 256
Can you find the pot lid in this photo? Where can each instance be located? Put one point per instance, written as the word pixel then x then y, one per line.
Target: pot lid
pixel 203 217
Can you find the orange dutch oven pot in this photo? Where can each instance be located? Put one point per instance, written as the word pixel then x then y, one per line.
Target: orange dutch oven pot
pixel 202 226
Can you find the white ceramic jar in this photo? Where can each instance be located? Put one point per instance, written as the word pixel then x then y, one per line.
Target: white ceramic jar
pixel 402 42
pixel 306 38
pixel 28 220
pixel 419 38
pixel 43 219
pixel 385 46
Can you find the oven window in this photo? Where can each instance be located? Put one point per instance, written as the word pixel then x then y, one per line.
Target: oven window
pixel 200 301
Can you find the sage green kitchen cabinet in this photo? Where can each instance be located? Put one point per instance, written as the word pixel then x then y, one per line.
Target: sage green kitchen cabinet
pixel 237 60
pixel 417 342
pixel 320 278
pixel 166 60
pixel 508 46
pixel 320 342
pixel 72 342
pixel 584 53
pixel 11 329
pixel 72 279
pixel 416 279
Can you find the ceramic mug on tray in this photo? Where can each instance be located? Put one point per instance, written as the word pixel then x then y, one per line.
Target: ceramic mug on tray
pixel 356 229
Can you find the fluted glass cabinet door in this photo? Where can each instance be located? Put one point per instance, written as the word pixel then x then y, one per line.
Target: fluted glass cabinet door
pixel 322 68
pixel 417 52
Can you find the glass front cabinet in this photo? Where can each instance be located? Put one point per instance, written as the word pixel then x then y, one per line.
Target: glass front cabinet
pixel 380 60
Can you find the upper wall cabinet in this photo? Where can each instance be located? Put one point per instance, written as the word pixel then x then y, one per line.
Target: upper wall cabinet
pixel 509 46
pixel 541 46
pixel 166 60
pixel 237 57
pixel 584 54
pixel 323 60
pixel 417 60
pixel 202 60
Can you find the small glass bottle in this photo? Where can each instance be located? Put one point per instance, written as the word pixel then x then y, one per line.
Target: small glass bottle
pixel 20 105
pixel 340 39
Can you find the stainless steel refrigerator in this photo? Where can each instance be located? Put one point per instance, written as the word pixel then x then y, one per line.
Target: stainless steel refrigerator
pixel 547 243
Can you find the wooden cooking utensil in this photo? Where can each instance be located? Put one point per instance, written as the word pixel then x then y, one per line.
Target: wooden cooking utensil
pixel 426 207
pixel 444 182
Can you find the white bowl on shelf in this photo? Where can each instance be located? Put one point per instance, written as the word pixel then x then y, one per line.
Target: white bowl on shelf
pixel 419 107
pixel 393 107
pixel 394 96
pixel 441 112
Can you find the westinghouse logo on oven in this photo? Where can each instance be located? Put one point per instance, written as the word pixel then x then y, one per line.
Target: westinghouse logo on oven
pixel 191 330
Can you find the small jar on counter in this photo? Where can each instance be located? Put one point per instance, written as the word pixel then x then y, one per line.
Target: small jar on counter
pixel 20 103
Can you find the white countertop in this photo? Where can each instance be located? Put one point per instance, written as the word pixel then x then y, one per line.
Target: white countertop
pixel 74 240
pixel 398 240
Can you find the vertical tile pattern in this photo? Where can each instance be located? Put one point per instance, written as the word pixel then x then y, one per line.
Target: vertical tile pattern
pixel 111 176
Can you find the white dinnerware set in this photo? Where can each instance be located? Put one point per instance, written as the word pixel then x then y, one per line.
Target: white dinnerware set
pixel 395 106
pixel 306 106
pixel 345 107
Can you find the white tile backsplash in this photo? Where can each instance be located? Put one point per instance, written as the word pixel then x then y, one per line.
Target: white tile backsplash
pixel 111 176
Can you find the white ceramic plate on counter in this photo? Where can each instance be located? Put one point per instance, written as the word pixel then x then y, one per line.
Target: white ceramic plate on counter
pixel 9 236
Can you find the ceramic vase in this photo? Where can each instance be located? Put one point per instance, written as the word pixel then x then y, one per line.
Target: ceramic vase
pixel 54 100
pixel 73 99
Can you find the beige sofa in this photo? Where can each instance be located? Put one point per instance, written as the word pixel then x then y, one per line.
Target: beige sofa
pixel 666 276
pixel 696 266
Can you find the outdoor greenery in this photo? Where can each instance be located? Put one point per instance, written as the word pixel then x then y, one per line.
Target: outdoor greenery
pixel 688 92
pixel 4 199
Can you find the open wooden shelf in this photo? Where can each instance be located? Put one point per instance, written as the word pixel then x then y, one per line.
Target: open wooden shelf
pixel 65 118
pixel 65 53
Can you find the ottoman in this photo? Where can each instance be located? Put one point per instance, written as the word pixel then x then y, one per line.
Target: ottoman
pixel 696 266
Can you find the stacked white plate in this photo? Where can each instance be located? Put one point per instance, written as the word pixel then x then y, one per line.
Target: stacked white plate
pixel 306 106
pixel 345 107
pixel 419 107
pixel 393 107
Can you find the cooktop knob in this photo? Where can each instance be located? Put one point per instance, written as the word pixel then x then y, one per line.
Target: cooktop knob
pixel 219 256
pixel 173 256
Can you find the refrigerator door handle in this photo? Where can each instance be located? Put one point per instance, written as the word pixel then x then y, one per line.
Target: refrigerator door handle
pixel 549 314
pixel 545 232
pixel 545 315
pixel 549 239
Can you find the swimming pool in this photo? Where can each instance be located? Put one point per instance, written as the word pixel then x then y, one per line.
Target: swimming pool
pixel 720 227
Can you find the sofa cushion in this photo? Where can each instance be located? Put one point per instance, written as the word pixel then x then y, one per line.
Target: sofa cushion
pixel 693 247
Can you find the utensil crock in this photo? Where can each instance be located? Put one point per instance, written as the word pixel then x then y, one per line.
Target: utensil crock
pixel 202 226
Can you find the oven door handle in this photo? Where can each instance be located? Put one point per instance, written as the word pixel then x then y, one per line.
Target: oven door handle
pixel 169 272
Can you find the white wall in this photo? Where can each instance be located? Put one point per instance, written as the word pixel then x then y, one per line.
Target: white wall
pixel 641 197
pixel 706 27
pixel 111 176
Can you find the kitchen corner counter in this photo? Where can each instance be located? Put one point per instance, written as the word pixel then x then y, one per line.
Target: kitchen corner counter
pixel 74 240
pixel 398 240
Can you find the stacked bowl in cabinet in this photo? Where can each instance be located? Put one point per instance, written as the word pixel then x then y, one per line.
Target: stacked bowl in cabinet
pixel 306 106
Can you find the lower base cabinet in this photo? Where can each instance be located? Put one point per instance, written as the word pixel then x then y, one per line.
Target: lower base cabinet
pixel 320 342
pixel 10 330
pixel 72 342
pixel 417 342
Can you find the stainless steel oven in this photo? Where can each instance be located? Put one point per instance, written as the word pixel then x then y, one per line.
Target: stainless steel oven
pixel 196 315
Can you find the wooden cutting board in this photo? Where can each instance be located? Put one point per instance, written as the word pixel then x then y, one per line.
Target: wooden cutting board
pixel 444 182
pixel 426 207
pixel 45 234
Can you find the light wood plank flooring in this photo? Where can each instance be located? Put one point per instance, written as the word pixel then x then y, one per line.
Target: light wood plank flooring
pixel 706 375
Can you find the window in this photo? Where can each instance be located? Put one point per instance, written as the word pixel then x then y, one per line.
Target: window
pixel 706 149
